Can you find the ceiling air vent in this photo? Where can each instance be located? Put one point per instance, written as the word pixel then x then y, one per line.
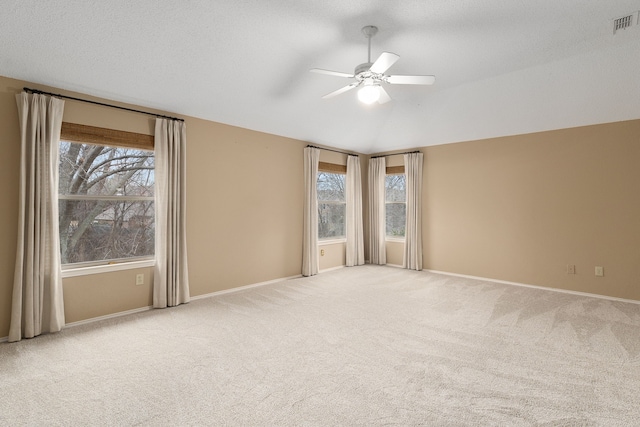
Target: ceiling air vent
pixel 623 22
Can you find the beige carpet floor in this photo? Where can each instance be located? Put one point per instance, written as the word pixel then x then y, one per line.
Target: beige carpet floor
pixel 361 346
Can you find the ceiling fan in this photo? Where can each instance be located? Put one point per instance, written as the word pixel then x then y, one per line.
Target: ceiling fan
pixel 370 76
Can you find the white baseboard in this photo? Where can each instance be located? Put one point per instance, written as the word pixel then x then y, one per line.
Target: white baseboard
pixel 384 265
pixel 525 285
pixel 331 269
pixel 97 319
pixel 108 316
pixel 395 265
pixel 197 297
pixel 242 288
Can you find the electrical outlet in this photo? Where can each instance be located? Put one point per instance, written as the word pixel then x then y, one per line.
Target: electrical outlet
pixel 321 252
pixel 139 279
pixel 599 271
pixel 571 269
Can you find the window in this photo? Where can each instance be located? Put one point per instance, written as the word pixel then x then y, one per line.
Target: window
pixel 331 205
pixel 106 201
pixel 395 204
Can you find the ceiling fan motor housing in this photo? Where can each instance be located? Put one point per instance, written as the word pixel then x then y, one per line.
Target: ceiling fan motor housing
pixel 362 73
pixel 362 68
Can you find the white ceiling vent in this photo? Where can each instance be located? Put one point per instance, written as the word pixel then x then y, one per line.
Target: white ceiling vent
pixel 625 22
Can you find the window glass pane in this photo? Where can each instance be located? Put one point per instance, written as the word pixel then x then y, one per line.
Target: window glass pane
pixel 106 171
pixel 396 208
pixel 93 228
pixel 331 220
pixel 396 219
pixel 331 187
pixel 395 188
pixel 331 205
pixel 96 230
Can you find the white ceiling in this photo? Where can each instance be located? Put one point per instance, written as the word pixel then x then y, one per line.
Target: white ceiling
pixel 503 67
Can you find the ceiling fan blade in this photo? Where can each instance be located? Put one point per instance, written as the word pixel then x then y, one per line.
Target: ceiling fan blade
pixel 384 96
pixel 411 80
pixel 384 62
pixel 330 73
pixel 341 90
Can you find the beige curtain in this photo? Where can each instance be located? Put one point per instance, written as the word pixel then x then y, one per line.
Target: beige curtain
pixel 170 275
pixel 413 238
pixel 37 305
pixel 310 212
pixel 355 239
pixel 377 209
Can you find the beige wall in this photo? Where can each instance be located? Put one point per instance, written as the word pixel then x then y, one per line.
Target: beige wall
pixel 334 255
pixel 245 195
pixel 521 208
pixel 394 252
pixel 103 294
pixel 516 208
pixel 9 173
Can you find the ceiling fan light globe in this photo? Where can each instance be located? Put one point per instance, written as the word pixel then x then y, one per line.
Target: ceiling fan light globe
pixel 368 94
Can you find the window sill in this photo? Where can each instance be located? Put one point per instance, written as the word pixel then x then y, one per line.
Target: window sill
pixel 107 268
pixel 395 239
pixel 331 241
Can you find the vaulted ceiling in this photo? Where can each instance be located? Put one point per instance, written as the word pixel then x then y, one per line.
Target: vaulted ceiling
pixel 501 67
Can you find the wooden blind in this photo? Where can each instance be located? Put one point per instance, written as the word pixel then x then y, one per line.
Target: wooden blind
pixel 395 170
pixel 331 167
pixel 94 135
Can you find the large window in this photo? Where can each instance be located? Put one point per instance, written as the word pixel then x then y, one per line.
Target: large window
pixel 396 205
pixel 331 205
pixel 106 202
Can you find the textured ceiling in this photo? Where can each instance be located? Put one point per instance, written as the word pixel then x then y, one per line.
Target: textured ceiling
pixel 502 67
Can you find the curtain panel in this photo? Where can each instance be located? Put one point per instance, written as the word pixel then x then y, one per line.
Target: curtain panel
pixel 310 212
pixel 377 210
pixel 412 258
pixel 170 275
pixel 355 239
pixel 37 305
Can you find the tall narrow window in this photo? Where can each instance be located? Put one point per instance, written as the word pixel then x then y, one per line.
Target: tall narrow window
pixel 331 205
pixel 396 205
pixel 106 202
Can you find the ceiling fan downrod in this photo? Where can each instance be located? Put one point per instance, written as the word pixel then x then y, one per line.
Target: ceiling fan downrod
pixel 369 31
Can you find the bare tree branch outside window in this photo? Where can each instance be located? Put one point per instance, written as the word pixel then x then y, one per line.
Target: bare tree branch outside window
pixel 106 208
pixel 331 205
pixel 396 205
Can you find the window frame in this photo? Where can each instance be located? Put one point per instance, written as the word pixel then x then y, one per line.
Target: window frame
pixel 390 171
pixel 332 168
pixel 84 134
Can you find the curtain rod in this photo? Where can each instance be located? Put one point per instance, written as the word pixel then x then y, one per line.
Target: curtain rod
pixel 335 151
pixel 26 89
pixel 396 154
